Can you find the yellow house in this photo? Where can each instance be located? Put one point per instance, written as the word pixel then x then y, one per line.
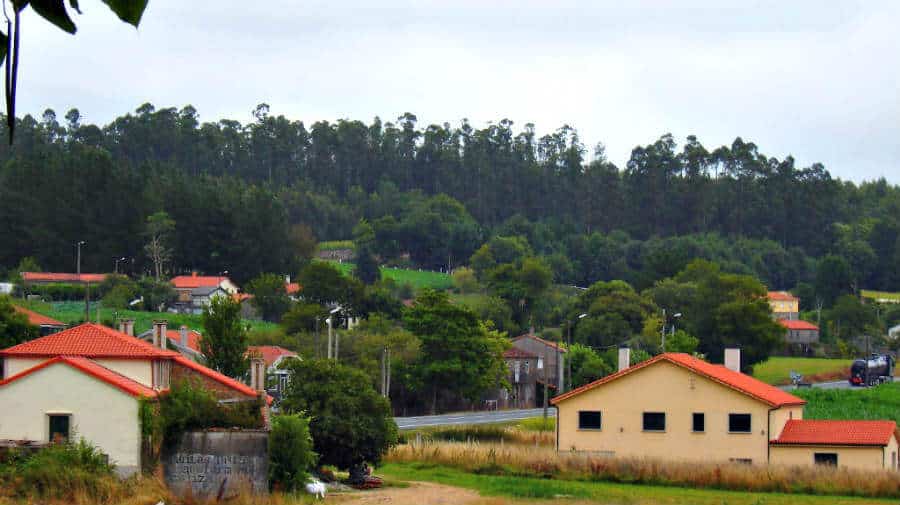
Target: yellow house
pixel 678 407
pixel 784 305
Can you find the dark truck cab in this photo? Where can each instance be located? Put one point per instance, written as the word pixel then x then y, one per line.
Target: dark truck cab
pixel 879 368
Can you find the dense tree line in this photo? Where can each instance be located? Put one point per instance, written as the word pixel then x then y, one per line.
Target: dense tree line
pixel 436 192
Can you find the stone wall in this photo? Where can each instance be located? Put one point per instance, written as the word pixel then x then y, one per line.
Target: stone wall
pixel 214 465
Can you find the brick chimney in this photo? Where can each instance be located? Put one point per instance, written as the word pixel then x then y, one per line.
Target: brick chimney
pixel 184 335
pixel 624 358
pixel 733 359
pixel 160 339
pixel 258 373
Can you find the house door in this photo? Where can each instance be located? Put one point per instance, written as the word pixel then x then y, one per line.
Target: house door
pixel 59 428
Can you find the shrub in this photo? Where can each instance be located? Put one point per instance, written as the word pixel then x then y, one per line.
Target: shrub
pixel 464 280
pixel 188 406
pixel 290 452
pixel 538 424
pixel 64 470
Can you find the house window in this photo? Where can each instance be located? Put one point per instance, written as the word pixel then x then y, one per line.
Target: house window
pixel 654 421
pixel 741 461
pixel 825 458
pixel 59 428
pixel 699 422
pixel 282 382
pixel 739 423
pixel 590 420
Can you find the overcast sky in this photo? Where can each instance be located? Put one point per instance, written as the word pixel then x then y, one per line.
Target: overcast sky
pixel 818 80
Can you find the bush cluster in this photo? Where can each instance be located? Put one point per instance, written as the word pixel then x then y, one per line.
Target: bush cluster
pixel 290 452
pixel 188 406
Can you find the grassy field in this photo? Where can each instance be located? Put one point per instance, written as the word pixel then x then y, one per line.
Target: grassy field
pixel 334 245
pixel 418 279
pixel 880 402
pixel 881 295
pixel 776 370
pixel 527 488
pixel 72 312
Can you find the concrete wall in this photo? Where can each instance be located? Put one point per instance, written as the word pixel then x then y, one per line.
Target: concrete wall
pixel 100 413
pixel 12 366
pixel 664 387
pixel 135 369
pixel 211 464
pixel 859 458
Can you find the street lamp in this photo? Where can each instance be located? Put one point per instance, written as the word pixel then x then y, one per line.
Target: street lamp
pixel 567 380
pixel 78 258
pixel 663 332
pixel 116 269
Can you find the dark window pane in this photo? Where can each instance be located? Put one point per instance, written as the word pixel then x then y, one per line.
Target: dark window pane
pixel 589 420
pixel 699 421
pixel 825 458
pixel 59 428
pixel 654 421
pixel 739 423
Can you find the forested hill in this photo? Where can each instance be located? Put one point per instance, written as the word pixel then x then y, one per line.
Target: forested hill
pixel 241 193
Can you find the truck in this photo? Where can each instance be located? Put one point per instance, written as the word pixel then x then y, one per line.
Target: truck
pixel 877 369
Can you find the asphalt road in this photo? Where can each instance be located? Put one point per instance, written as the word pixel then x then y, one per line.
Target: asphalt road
pixel 495 416
pixel 499 416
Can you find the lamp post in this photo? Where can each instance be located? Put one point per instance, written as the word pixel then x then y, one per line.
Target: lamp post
pixel 78 258
pixel 116 268
pixel 663 331
pixel 567 380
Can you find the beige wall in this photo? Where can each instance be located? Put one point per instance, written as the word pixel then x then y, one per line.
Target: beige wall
pixel 892 455
pixel 664 387
pixel 781 416
pixel 860 458
pixel 101 413
pixel 135 369
pixel 12 366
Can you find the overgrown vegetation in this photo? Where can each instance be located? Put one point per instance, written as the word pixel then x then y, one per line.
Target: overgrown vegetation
pixel 501 432
pixel 188 406
pixel 522 461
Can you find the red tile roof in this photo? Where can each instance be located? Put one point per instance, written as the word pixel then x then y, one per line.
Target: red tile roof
pixel 831 432
pixel 269 353
pixel 89 340
pixel 797 324
pixel 93 369
pixel 539 339
pixel 197 281
pixel 62 277
pixel 781 296
pixel 292 288
pixel 216 376
pixel 240 297
pixel 193 342
pixel 38 319
pixel 735 380
pixel 515 352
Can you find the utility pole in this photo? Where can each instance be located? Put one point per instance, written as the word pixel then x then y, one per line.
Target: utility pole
pixel 663 332
pixel 78 258
pixel 330 338
pixel 567 380
pixel 545 381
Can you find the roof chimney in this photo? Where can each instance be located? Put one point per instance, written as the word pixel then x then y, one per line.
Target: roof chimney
pixel 122 328
pixel 624 358
pixel 184 336
pixel 287 279
pixel 733 359
pixel 258 373
pixel 160 339
pixel 126 326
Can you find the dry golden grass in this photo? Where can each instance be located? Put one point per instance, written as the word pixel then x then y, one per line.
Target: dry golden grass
pixel 545 462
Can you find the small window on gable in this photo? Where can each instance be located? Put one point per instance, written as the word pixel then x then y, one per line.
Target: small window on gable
pixel 825 458
pixel 699 422
pixel 739 423
pixel 654 421
pixel 60 426
pixel 590 420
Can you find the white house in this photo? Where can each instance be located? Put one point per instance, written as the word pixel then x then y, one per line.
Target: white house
pixel 87 382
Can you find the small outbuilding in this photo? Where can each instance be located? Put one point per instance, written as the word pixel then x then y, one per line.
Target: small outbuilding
pixel 857 444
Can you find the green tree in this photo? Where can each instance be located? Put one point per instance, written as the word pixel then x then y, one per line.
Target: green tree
pixel 323 283
pixel 850 318
pixel 352 424
pixel 14 327
pixel 159 226
pixel 587 366
pixel 459 355
pixel 833 279
pixel 224 342
pixel 291 453
pixel 464 280
pixel 617 314
pixel 269 296
pixel 304 317
pixel 156 294
pixel 367 269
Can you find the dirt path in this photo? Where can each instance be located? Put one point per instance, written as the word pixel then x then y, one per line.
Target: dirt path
pixel 418 493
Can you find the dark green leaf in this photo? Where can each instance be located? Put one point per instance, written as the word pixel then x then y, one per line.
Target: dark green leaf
pixel 18 5
pixel 4 41
pixel 74 5
pixel 129 11
pixel 55 12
